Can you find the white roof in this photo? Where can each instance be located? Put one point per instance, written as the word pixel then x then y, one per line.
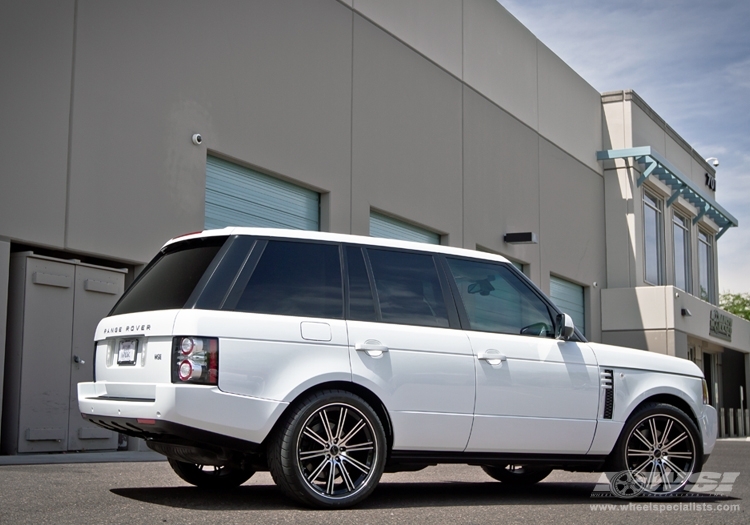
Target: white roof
pixel 340 237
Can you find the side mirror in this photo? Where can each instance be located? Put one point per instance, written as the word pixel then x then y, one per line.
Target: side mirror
pixel 564 327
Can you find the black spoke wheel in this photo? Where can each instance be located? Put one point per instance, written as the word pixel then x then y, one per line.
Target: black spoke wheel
pixel 519 475
pixel 660 449
pixel 330 451
pixel 209 476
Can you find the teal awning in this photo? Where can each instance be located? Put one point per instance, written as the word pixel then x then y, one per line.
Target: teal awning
pixel 681 184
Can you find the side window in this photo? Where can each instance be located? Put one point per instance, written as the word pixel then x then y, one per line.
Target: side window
pixel 496 300
pixel 295 278
pixel 361 303
pixel 408 288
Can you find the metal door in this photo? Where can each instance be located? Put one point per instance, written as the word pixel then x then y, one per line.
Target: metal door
pixel 45 369
pixel 96 291
pixel 239 196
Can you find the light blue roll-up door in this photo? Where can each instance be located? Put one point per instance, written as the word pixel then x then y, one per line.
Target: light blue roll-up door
pixel 569 298
pixel 384 226
pixel 239 196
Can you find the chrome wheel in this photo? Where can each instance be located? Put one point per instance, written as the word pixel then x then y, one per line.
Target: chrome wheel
pixel 336 450
pixel 660 452
pixel 329 451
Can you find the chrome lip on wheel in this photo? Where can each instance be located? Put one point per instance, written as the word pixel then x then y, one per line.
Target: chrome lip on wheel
pixel 336 451
pixel 660 454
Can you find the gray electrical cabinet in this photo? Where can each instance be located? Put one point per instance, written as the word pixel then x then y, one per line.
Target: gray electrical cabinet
pixel 54 306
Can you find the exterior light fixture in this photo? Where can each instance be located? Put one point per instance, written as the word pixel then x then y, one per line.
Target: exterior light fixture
pixel 520 238
pixel 686 313
pixel 713 161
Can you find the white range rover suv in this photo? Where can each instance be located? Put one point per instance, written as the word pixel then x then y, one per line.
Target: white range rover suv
pixel 330 359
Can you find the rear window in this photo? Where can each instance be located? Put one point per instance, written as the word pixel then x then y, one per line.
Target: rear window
pixel 296 278
pixel 169 280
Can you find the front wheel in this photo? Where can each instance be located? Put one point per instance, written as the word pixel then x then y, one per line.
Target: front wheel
pixel 518 475
pixel 659 449
pixel 210 477
pixel 330 451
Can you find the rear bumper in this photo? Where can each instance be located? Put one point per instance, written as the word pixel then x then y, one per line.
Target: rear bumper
pixel 186 414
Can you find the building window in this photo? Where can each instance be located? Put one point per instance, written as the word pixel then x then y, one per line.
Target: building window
pixel 706 266
pixel 681 238
pixel 652 239
pixel 390 228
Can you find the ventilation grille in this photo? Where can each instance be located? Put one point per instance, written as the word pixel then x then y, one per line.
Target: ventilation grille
pixel 608 385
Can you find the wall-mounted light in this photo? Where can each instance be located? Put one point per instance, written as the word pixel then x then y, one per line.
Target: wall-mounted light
pixel 686 313
pixel 520 238
pixel 713 161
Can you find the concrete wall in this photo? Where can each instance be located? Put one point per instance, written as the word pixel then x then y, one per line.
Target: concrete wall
pixel 267 83
pixel 36 64
pixel 406 136
pixel 366 107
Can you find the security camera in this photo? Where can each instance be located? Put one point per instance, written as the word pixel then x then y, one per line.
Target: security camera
pixel 197 139
pixel 714 161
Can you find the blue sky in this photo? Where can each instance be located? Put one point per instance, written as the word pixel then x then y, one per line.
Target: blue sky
pixel 690 61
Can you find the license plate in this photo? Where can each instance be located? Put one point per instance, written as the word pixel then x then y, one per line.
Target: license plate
pixel 127 352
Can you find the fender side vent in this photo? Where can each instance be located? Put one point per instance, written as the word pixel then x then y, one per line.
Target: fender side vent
pixel 608 385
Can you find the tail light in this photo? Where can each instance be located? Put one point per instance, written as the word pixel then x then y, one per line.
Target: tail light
pixel 195 360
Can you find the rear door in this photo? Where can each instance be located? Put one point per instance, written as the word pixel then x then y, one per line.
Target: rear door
pixel 281 329
pixel 405 345
pixel 535 394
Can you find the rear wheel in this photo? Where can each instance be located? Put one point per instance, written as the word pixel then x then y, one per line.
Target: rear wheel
pixel 659 449
pixel 519 475
pixel 330 450
pixel 209 476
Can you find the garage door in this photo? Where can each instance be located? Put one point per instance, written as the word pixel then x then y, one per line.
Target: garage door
pixel 569 298
pixel 384 226
pixel 239 196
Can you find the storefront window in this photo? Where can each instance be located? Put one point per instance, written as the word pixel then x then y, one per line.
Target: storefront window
pixel 705 266
pixel 681 235
pixel 652 238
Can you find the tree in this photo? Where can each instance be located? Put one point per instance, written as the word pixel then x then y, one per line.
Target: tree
pixel 736 303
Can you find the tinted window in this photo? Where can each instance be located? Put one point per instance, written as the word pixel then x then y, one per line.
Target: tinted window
pixel 361 303
pixel 408 288
pixel 497 300
pixel 295 278
pixel 171 277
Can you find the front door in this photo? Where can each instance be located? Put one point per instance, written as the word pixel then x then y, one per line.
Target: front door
pixel 535 394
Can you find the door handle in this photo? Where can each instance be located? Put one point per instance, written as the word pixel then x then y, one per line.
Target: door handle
pixel 372 348
pixel 492 356
pixel 78 360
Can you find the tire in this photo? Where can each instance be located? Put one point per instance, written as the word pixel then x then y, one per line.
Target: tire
pixel 659 449
pixel 329 452
pixel 210 477
pixel 518 475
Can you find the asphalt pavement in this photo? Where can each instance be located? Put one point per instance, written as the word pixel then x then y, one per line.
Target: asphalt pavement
pixel 149 492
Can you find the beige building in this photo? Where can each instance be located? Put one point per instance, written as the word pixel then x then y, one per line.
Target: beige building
pixel 440 121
